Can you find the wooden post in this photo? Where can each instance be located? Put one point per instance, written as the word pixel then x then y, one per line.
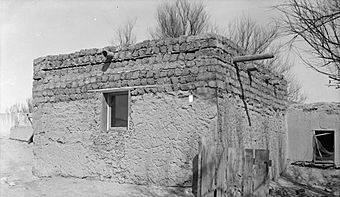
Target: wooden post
pixel 248 173
pixel 246 58
pixel 234 172
pixel 208 168
pixel 197 170
pixel 261 173
pixel 221 179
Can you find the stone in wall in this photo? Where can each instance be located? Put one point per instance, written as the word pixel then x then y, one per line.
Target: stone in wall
pixel 198 61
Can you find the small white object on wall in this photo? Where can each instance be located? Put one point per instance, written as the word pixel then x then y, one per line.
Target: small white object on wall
pixel 191 98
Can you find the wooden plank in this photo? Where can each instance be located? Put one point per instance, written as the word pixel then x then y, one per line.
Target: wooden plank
pixel 261 173
pixel 221 180
pixel 104 113
pixel 246 58
pixel 337 148
pixel 208 168
pixel 234 172
pixel 197 163
pixel 122 89
pixel 239 172
pixel 195 175
pixel 230 171
pixel 248 173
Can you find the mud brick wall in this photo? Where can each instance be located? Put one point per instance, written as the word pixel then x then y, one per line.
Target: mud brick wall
pixel 231 106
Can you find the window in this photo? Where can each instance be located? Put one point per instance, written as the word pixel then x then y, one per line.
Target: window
pixel 324 146
pixel 117 109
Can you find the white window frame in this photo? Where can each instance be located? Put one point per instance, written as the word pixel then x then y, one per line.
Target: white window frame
pixel 334 143
pixel 108 96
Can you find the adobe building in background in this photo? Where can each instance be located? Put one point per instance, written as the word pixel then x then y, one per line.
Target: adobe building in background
pixel 136 115
pixel 314 133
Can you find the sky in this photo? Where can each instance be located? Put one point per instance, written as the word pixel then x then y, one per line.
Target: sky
pixel 34 28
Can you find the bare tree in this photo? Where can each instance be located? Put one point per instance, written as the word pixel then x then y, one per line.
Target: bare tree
pixel 124 34
pixel 26 107
pixel 255 39
pixel 181 17
pixel 316 23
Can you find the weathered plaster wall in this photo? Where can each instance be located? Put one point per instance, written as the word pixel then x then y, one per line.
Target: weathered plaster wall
pixel 63 138
pixel 303 120
pixel 165 134
pixel 157 148
pixel 164 128
pixel 253 130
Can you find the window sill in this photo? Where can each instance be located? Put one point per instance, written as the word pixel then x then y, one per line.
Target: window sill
pixel 117 129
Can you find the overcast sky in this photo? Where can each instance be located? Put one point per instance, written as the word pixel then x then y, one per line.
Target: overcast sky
pixel 31 29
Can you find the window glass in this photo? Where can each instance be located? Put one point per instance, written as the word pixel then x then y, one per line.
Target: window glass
pixel 118 110
pixel 324 145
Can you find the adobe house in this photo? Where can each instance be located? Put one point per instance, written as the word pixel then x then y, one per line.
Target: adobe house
pixel 135 114
pixel 314 133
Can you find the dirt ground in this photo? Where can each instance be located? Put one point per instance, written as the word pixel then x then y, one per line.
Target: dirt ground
pixel 17 180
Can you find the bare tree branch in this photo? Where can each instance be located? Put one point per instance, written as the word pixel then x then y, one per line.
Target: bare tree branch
pixel 262 39
pixel 317 23
pixel 26 107
pixel 124 34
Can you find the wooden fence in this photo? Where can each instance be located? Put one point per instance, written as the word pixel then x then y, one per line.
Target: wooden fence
pixel 235 172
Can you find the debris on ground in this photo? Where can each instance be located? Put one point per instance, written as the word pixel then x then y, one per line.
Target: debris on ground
pixel 314 165
pixel 284 187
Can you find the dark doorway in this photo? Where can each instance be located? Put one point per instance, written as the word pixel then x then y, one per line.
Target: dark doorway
pixel 324 146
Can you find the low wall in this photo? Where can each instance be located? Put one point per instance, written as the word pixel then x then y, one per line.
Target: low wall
pixel 10 120
pixel 7 120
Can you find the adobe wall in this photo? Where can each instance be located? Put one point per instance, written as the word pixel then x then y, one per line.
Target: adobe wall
pixel 303 120
pixel 164 128
pixel 161 140
pixel 253 130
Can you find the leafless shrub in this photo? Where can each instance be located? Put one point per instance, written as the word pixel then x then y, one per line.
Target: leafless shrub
pixel 182 17
pixel 124 34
